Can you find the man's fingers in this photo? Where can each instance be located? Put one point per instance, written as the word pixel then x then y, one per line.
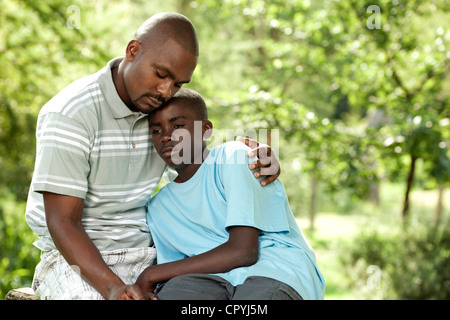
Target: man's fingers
pixel 267 164
pixel 272 170
pixel 249 142
pixel 258 164
pixel 135 293
pixel 267 167
pixel 270 179
pixel 258 149
pixel 265 156
pixel 262 151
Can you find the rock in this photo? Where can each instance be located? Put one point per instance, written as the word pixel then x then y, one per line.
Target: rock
pixel 21 294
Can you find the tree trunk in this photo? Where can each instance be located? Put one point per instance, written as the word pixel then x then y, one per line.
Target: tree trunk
pixel 405 211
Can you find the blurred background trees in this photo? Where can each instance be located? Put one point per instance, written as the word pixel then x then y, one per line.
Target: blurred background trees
pixel 359 91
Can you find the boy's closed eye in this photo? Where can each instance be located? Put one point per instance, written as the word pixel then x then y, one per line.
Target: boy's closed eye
pixel 176 126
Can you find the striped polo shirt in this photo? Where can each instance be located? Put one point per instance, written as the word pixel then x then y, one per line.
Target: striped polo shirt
pixel 90 145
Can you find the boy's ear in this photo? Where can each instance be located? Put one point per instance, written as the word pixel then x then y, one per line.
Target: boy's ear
pixel 207 129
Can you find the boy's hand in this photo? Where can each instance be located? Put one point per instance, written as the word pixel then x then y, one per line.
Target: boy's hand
pixel 127 292
pixel 267 160
pixel 150 296
pixel 145 283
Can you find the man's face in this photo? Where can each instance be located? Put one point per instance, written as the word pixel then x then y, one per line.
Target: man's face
pixel 173 131
pixel 153 76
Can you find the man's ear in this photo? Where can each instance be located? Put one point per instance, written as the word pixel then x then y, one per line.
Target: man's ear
pixel 207 129
pixel 132 50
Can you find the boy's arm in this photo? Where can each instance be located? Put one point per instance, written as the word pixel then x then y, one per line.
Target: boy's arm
pixel 240 250
pixel 63 215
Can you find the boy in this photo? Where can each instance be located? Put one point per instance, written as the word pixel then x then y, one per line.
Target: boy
pixel 218 233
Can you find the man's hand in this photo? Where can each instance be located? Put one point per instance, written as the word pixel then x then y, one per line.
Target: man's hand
pixel 267 160
pixel 127 292
pixel 63 215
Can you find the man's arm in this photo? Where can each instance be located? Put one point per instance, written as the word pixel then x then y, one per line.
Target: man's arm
pixel 267 164
pixel 240 250
pixel 63 216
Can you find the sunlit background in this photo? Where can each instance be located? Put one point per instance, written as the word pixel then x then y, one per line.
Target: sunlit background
pixel 357 92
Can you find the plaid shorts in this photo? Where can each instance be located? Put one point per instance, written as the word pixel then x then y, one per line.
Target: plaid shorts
pixel 55 279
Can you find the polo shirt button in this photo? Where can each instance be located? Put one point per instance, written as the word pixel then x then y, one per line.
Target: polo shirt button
pixel 133 145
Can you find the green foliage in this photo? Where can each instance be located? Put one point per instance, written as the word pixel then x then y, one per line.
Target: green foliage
pixel 33 68
pixel 18 257
pixel 353 104
pixel 420 140
pixel 360 86
pixel 263 63
pixel 414 264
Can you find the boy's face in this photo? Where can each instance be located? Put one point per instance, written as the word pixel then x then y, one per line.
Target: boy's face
pixel 178 134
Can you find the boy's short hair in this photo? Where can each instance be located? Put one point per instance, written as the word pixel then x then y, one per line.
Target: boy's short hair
pixel 194 100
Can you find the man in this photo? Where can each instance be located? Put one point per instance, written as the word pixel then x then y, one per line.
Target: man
pixel 95 168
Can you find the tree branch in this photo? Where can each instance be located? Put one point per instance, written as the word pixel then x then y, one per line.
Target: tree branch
pixel 410 94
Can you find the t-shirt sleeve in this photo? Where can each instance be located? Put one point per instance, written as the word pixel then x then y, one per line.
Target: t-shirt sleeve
pixel 160 222
pixel 62 156
pixel 248 203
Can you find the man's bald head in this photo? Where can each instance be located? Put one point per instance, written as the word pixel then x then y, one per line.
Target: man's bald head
pixel 158 61
pixel 168 25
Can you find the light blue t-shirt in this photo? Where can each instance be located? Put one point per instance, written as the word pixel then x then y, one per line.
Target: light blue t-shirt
pixel 190 218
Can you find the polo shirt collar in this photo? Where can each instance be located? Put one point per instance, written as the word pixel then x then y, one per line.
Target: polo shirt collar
pixel 117 107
